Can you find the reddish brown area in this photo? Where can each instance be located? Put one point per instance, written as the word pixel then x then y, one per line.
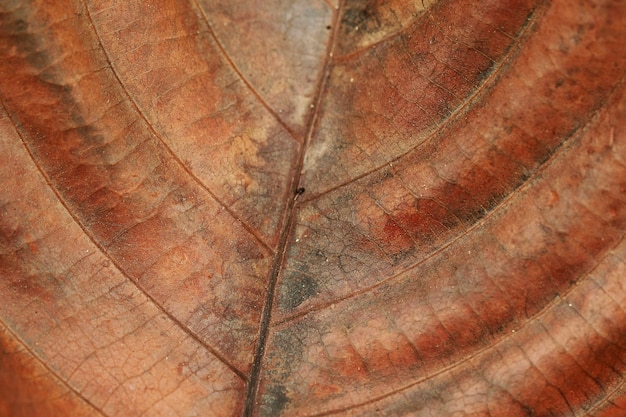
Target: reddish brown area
pixel 195 97
pixel 407 87
pixel 132 196
pixel 23 378
pixel 410 208
pixel 84 318
pixel 304 208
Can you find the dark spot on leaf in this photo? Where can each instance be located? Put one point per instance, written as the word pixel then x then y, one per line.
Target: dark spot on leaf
pixel 274 401
pixel 360 17
pixel 87 133
pixel 19 25
pixel 296 290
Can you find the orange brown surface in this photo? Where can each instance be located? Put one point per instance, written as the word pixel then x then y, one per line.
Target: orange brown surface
pixel 306 208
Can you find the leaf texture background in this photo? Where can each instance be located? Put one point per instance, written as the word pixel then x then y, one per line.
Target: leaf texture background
pixel 458 249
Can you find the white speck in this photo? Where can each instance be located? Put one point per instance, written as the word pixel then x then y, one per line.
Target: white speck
pixel 312 105
pixel 331 54
pixel 356 28
pixel 297 240
pixel 569 304
pixel 513 331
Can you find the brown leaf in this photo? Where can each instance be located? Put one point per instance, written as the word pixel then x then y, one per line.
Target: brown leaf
pixel 309 208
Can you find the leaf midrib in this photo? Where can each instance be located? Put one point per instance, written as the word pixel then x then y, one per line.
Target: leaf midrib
pixel 289 220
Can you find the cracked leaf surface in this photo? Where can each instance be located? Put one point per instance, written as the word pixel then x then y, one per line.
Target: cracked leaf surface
pixel 458 249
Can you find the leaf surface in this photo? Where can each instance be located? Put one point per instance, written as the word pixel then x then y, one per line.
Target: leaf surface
pixel 312 208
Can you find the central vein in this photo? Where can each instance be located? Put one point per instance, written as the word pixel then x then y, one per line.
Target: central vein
pixel 296 190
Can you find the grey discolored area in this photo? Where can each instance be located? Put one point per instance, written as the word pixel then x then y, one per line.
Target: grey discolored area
pixel 296 289
pixel 274 401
